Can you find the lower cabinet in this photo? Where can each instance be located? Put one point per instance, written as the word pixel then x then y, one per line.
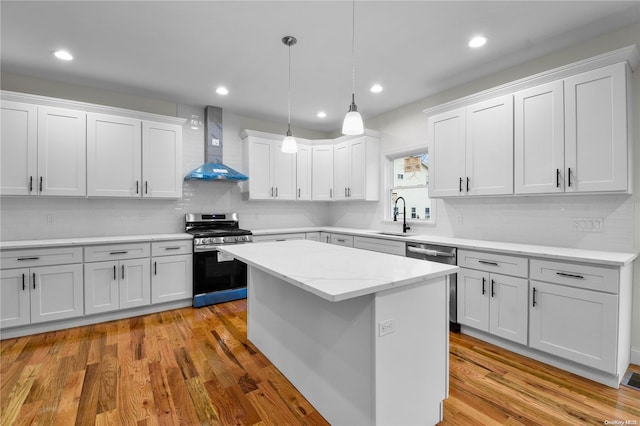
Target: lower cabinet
pixel 117 285
pixel 171 278
pixel 493 303
pixel 279 237
pixel 381 245
pixel 39 294
pixel 342 240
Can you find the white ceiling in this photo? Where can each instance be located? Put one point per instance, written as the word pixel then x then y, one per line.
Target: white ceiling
pixel 181 50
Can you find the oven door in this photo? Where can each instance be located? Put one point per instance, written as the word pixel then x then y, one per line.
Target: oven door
pixel 217 278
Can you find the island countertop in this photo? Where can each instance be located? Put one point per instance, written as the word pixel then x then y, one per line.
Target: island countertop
pixel 334 272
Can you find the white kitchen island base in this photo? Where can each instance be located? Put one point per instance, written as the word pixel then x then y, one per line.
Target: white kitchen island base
pixel 379 358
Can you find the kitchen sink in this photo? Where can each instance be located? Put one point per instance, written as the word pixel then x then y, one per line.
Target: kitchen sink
pixel 396 234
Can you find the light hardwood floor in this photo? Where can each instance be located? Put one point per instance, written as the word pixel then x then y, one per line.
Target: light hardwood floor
pixel 195 367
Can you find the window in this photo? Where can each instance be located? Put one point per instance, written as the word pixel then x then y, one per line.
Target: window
pixel 410 180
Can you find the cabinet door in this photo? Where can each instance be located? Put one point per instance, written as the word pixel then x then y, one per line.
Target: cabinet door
pixel 18 148
pixel 101 287
pixel 161 160
pixel 325 237
pixel 283 173
pixel 357 168
pixel 489 147
pixel 113 156
pixel 135 283
pixel 62 146
pixel 14 297
pixel 172 278
pixel 322 179
pixel 576 324
pixel 303 172
pixel 341 171
pixel 260 165
pixel 447 153
pixel 539 139
pixel 508 307
pixel 473 298
pixel 596 130
pixel 56 292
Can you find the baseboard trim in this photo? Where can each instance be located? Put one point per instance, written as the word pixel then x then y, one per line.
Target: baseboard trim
pixel 635 356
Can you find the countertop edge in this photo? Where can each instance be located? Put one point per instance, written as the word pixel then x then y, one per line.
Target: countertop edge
pixel 88 241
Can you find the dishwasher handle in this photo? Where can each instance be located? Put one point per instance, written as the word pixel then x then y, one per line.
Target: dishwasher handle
pixel 429 252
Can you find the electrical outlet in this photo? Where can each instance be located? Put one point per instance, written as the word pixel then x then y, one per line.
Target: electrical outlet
pixel 51 219
pixel 386 327
pixel 588 224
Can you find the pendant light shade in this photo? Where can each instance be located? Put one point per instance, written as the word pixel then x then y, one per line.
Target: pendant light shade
pixel 352 124
pixel 289 144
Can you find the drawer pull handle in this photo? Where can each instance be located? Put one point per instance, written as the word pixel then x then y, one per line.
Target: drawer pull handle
pixel 23 286
pixel 119 252
pixel 534 297
pixel 493 292
pixel 172 248
pixel 280 240
pixel 486 262
pixel 341 240
pixel 28 258
pixel 564 274
pixel 483 290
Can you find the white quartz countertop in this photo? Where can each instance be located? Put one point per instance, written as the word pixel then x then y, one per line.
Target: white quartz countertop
pixel 546 252
pixel 86 241
pixel 333 272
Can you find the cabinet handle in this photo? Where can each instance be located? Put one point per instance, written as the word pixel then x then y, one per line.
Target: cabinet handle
pixel 341 240
pixel 123 272
pixel 467 184
pixel 40 183
pixel 30 183
pixel 533 299
pixel 298 192
pixel 28 258
pixel 276 192
pixel 137 189
pixel 34 280
pixel 23 286
pixel 330 193
pixel 172 248
pixel 486 262
pixel 119 252
pixel 557 178
pixel 460 185
pixel 564 274
pixel 483 290
pixel 569 175
pixel 345 192
pixel 272 191
pixel 349 192
pixel 146 187
pixel 493 292
pixel 155 268
pixel 114 273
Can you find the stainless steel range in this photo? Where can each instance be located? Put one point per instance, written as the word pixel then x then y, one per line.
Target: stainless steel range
pixel 217 277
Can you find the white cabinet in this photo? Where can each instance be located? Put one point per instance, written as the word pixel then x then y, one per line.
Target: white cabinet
pixel 304 164
pixel 14 297
pixel 172 271
pixel 43 150
pixel 471 149
pixel 325 237
pixel 342 240
pixel 357 169
pixel 571 134
pixel 279 237
pixel 110 286
pixel 272 172
pixel 381 245
pixel 313 236
pixel 492 302
pixel 128 157
pixel 322 173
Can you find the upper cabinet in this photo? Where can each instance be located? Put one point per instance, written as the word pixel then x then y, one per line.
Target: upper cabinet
pixel 472 150
pixel 571 135
pixel 562 131
pixel 43 150
pixel 48 150
pixel 347 168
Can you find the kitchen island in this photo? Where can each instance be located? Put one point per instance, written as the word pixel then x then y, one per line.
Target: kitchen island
pixel 362 335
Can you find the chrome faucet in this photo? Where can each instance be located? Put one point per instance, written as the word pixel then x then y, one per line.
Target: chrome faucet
pixel 404 214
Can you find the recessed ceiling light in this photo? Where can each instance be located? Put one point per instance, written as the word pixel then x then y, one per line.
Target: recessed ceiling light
pixel 477 41
pixel 63 55
pixel 376 88
pixel 221 90
pixel 321 114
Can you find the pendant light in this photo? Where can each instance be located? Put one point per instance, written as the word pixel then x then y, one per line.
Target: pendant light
pixel 289 143
pixel 352 124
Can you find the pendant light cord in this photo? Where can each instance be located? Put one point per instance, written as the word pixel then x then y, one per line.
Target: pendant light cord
pixel 289 92
pixel 353 49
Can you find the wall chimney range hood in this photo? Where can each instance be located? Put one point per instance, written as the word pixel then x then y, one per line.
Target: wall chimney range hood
pixel 213 169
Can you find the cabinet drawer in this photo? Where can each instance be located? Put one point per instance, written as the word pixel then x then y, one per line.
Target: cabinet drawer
pixel 380 244
pixel 116 252
pixel 40 257
pixel 169 248
pixel 576 275
pixel 342 240
pixel 279 237
pixel 491 262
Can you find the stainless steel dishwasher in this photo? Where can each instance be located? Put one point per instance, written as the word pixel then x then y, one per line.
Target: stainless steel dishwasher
pixel 441 254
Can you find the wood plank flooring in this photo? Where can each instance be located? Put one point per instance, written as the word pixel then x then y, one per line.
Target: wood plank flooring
pixel 195 367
